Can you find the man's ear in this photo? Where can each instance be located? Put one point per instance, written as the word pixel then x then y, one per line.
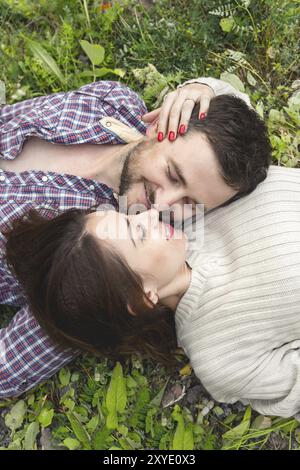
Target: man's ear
pixel 150 297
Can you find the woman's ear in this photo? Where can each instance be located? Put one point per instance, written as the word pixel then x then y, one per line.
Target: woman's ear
pixel 150 297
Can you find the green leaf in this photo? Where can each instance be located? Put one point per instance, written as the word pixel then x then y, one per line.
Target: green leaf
pixel 276 116
pixel 156 401
pixel 45 417
pixel 102 72
pixel 188 438
pixel 64 376
pixel 92 424
pixel 2 92
pixel 71 443
pixel 95 52
pixel 233 80
pixel 235 434
pixel 15 444
pixel 101 438
pixel 178 440
pixel 116 397
pixel 250 79
pixel 260 109
pixel 261 422
pixel 14 419
pixel 30 436
pixel 227 24
pixel 79 431
pixel 183 437
pixel 49 63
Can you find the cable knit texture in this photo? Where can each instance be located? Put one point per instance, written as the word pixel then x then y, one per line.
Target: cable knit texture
pixel 239 321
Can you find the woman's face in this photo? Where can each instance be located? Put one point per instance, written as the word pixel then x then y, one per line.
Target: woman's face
pixel 151 248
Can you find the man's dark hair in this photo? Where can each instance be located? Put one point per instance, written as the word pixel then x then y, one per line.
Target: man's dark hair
pixel 239 138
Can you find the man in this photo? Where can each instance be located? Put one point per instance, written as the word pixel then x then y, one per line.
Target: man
pixel 49 161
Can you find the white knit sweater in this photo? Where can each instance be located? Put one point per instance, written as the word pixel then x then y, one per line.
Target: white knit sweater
pixel 239 321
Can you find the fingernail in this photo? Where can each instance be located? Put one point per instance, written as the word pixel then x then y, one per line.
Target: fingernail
pixel 171 135
pixel 182 129
pixel 202 116
pixel 160 136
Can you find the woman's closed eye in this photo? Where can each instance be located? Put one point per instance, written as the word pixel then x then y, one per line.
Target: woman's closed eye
pixel 142 230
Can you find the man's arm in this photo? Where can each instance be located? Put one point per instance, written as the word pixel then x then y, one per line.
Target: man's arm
pixel 70 118
pixel 27 355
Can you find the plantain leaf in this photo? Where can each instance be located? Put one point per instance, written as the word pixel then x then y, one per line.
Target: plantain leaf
pixel 30 436
pixel 49 63
pixel 79 431
pixel 116 397
pixel 14 419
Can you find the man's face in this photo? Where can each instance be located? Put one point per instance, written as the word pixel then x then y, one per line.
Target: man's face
pixel 166 173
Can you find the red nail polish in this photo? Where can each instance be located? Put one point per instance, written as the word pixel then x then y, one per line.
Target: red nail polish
pixel 202 116
pixel 182 129
pixel 160 136
pixel 171 135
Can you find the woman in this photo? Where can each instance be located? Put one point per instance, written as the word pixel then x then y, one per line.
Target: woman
pixel 124 283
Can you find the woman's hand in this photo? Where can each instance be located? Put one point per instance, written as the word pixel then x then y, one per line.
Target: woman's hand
pixel 174 115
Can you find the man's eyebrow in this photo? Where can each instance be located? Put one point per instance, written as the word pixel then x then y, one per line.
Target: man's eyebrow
pixel 130 231
pixel 179 173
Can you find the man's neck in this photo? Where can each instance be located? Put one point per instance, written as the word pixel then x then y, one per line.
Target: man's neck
pixel 110 164
pixel 103 163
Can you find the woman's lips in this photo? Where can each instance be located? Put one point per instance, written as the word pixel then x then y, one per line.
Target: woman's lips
pixel 169 231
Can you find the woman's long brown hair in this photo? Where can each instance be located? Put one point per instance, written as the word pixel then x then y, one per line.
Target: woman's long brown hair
pixel 79 290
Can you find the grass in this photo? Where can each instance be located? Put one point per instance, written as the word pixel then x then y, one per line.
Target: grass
pixel 47 47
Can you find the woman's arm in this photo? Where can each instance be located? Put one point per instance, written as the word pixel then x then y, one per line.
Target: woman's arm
pixel 275 390
pixel 219 87
pixel 174 114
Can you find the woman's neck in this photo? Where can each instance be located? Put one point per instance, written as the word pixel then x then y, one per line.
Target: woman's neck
pixel 171 294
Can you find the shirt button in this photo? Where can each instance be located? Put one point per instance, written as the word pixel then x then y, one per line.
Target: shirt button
pixel 108 123
pixel 92 186
pixel 45 178
pixel 2 178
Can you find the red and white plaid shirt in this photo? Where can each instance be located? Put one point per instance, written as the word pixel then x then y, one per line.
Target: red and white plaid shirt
pixel 27 355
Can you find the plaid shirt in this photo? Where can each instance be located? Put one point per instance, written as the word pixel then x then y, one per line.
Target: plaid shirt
pixel 27 355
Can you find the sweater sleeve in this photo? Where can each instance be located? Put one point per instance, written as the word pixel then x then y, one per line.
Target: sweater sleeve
pixel 271 386
pixel 276 389
pixel 219 87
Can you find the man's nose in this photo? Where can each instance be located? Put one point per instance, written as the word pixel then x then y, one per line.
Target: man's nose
pixel 165 199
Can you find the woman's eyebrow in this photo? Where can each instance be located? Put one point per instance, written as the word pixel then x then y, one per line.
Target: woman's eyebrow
pixel 130 231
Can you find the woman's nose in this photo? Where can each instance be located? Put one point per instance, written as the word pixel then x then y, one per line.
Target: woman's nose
pixel 149 218
pixel 154 217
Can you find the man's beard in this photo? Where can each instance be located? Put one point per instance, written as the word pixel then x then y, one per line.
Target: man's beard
pixel 128 175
